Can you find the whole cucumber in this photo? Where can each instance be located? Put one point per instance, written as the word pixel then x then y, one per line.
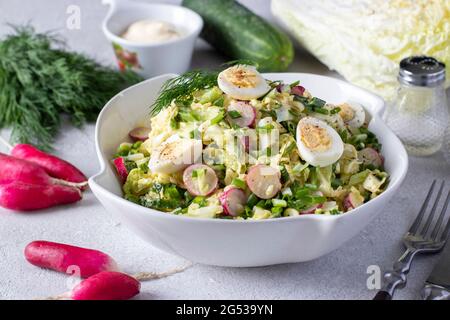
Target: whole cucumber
pixel 238 33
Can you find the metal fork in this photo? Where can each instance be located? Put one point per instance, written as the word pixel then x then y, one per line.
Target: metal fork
pixel 419 239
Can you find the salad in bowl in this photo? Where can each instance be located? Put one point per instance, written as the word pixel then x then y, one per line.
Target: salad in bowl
pixel 233 145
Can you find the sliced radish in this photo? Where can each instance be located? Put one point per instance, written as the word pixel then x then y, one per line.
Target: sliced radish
pixel 312 209
pixel 283 88
pixel 370 156
pixel 200 180
pixel 139 133
pixel 298 90
pixel 245 114
pixel 351 202
pixel 245 142
pixel 280 87
pixel 264 181
pixel 119 163
pixel 106 285
pixel 233 201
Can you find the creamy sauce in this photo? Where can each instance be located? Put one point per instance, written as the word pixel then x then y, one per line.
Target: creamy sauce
pixel 150 31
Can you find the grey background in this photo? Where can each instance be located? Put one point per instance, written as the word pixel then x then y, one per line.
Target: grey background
pixel 339 275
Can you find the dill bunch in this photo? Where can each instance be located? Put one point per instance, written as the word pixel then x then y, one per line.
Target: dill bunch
pixel 40 81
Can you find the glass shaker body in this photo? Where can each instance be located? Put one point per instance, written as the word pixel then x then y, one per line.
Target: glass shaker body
pixel 419 115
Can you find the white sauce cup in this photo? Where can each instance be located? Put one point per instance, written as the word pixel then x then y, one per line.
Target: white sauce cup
pixel 152 59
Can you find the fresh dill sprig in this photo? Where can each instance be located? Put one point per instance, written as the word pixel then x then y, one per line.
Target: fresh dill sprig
pixel 181 89
pixel 39 81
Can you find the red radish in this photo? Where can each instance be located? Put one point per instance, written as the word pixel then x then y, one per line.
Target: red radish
pixel 18 170
pixel 139 133
pixel 350 202
pixel 249 141
pixel 233 201
pixel 245 142
pixel 200 180
pixel 370 156
pixel 245 114
pixel 27 197
pixel 54 166
pixel 264 181
pixel 312 209
pixel 106 285
pixel 119 163
pixel 298 90
pixel 280 87
pixel 59 257
pixel 15 169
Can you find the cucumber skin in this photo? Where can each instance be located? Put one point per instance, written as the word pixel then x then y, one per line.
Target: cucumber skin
pixel 238 33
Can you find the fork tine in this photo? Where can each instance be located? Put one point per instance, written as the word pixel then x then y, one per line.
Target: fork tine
pixel 446 231
pixel 441 218
pixel 433 210
pixel 419 217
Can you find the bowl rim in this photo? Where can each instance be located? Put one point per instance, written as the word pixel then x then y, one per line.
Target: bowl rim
pixel 376 115
pixel 166 6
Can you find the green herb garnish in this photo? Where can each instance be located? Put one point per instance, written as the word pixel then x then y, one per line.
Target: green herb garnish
pixel 181 89
pixel 39 82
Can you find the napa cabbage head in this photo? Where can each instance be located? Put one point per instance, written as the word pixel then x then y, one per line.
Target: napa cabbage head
pixel 364 40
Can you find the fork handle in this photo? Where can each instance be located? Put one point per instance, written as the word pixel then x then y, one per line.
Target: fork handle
pixel 382 295
pixel 393 280
pixel 397 277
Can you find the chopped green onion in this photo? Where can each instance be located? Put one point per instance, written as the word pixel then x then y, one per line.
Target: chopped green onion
pixel 267 127
pixel 219 102
pixel 310 186
pixel 234 114
pixel 335 183
pixel 239 183
pixel 294 84
pixel 299 167
pixel 201 201
pixel 289 148
pixel 174 124
pixel 335 110
pixel 321 111
pixel 358 177
pixel 188 116
pixel 316 102
pixel 252 200
pixel 218 118
pixel 197 173
pixel 284 174
pixel 279 203
pixel 277 211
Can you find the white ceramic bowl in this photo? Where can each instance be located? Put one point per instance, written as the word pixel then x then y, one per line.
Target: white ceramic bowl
pixel 149 60
pixel 239 243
